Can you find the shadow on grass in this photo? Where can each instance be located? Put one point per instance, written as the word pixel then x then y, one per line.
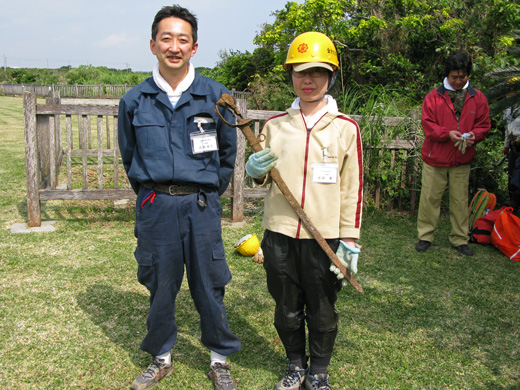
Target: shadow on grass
pixel 87 210
pixel 121 315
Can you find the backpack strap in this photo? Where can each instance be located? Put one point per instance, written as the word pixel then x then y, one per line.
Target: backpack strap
pixel 477 206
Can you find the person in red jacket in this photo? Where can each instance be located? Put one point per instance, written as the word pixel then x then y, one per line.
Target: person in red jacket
pixel 455 117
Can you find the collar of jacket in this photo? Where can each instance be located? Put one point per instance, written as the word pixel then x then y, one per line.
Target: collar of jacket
pixel 324 121
pixel 442 90
pixel 197 88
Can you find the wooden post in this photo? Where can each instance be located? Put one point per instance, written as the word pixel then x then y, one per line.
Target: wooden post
pixel 100 151
pixel 116 155
pixel 32 171
pixel 68 150
pixel 58 148
pixel 51 148
pixel 84 159
pixel 237 200
pixel 43 133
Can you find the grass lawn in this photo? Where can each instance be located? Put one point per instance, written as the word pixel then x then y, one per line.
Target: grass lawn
pixel 73 314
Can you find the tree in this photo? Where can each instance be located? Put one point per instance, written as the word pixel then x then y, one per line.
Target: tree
pixel 506 91
pixel 401 44
pixel 236 70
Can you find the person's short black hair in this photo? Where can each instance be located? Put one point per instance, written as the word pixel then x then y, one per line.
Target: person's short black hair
pixel 459 61
pixel 175 11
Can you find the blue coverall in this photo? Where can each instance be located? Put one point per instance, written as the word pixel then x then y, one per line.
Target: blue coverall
pixel 177 231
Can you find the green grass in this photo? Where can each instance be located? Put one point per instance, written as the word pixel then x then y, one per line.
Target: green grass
pixel 73 314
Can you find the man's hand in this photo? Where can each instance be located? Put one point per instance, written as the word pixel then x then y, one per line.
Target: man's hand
pixel 462 141
pixel 470 140
pixel 455 136
pixel 259 164
pixel 348 255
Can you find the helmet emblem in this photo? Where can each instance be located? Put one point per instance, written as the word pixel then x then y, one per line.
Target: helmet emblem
pixel 303 48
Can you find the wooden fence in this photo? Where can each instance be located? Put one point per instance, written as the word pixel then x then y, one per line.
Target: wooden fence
pixel 68 90
pixel 72 153
pixel 96 91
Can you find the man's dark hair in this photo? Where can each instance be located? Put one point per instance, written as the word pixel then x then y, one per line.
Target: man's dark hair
pixel 459 61
pixel 175 11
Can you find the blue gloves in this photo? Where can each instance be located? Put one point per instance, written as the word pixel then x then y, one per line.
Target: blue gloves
pixel 259 164
pixel 348 256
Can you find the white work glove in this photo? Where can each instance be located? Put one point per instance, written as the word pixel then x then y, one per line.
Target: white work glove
pixel 348 256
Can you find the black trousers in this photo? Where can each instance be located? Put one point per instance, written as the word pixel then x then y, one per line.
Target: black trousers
pixel 305 292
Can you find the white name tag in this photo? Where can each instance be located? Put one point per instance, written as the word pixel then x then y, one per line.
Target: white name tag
pixel 204 142
pixel 324 173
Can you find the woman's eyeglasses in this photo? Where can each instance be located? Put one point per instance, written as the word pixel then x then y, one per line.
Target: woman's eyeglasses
pixel 314 73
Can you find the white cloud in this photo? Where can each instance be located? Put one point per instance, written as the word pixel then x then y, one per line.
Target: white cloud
pixel 113 40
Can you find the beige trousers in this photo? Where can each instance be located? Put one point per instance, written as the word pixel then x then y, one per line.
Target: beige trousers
pixel 434 181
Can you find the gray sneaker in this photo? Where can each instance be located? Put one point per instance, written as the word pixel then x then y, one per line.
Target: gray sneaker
pixel 317 382
pixel 153 374
pixel 221 377
pixel 293 379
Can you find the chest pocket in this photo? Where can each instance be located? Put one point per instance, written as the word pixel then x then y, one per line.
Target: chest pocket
pixel 151 133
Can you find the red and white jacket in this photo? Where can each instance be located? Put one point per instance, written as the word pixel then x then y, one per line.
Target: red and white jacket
pixel 438 119
pixel 334 208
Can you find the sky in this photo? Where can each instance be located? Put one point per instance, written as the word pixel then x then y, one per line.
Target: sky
pixel 116 33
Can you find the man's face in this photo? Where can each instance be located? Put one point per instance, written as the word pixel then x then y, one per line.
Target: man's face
pixel 173 46
pixel 458 79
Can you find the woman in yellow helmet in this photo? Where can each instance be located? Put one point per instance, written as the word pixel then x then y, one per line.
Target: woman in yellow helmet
pixel 318 152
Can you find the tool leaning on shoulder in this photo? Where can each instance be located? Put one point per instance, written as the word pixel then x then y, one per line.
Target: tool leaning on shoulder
pixel 226 101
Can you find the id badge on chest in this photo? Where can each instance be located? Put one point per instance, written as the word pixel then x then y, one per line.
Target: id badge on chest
pixel 325 173
pixel 205 140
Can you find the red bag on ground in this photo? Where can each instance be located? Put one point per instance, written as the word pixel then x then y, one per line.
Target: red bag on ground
pixel 506 234
pixel 483 226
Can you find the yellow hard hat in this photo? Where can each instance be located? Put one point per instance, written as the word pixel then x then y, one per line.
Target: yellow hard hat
pixel 312 47
pixel 248 245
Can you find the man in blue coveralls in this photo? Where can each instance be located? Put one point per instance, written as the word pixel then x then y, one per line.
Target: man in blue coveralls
pixel 179 158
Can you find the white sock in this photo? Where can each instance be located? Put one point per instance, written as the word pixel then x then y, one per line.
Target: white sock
pixel 217 358
pixel 165 357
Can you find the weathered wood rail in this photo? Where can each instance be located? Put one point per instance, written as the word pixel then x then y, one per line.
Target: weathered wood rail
pixel 72 153
pixel 78 91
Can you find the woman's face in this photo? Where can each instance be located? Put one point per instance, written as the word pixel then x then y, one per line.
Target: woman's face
pixel 311 84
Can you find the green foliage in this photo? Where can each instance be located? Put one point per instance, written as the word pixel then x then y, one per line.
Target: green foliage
pixel 506 90
pixel 84 74
pixel 485 171
pixel 237 70
pixel 29 76
pixel 397 43
pixel 270 92
pixel 388 172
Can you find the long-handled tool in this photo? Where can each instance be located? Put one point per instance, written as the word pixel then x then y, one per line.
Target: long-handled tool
pixel 227 102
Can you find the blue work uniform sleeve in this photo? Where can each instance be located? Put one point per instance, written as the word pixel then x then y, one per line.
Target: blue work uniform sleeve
pixel 227 150
pixel 126 139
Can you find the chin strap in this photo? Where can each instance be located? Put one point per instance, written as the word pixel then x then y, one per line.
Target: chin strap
pixel 332 80
pixel 313 101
